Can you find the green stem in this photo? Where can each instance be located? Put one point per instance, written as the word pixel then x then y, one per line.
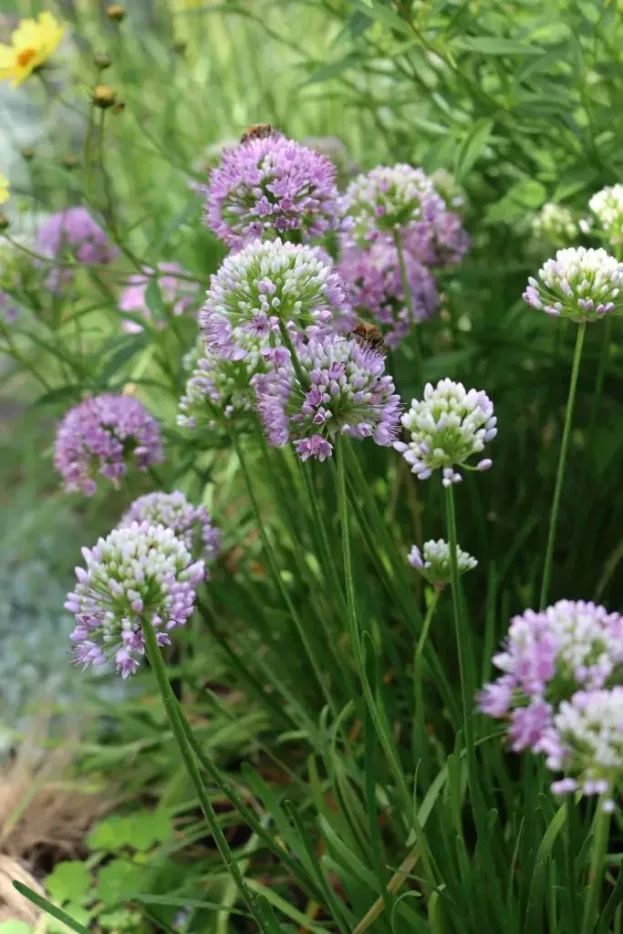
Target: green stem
pixel 551 537
pixel 377 714
pixel 408 297
pixel 420 740
pixel 600 843
pixel 600 380
pixel 177 719
pixel 287 340
pixel 88 152
pixel 274 567
pixel 463 650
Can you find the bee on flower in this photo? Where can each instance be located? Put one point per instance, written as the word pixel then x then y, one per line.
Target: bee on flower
pixel 32 43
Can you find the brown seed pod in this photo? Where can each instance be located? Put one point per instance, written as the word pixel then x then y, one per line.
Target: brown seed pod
pixel 103 96
pixel 259 131
pixel 368 335
pixel 116 12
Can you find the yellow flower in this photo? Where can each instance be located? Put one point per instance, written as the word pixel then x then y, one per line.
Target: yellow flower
pixel 31 44
pixel 4 189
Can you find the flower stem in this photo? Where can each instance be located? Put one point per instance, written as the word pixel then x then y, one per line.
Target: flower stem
pixel 176 719
pixel 408 298
pixel 601 830
pixel 420 739
pixel 551 537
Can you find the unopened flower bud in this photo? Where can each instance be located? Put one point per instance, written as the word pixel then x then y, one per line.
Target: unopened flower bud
pixel 180 46
pixel 70 162
pixel 102 61
pixel 28 153
pixel 103 96
pixel 116 12
pixel 4 221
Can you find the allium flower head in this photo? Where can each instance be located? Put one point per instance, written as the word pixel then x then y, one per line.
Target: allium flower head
pixel 433 561
pixel 74 232
pixel 345 392
pixel 580 284
pixel 32 43
pixel 105 435
pixel 607 206
pixel 547 657
pixel 555 224
pixel 374 286
pixel 585 741
pixel 264 284
pixel 191 524
pixel 388 199
pixel 448 426
pixel 271 187
pixel 221 388
pixel 179 294
pixel 138 572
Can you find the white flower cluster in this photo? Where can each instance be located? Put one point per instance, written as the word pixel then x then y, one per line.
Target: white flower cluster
pixel 586 741
pixel 579 283
pixel 137 572
pixel 265 283
pixel 449 425
pixel 555 224
pixel 433 561
pixel 192 524
pixel 607 206
pixel 389 198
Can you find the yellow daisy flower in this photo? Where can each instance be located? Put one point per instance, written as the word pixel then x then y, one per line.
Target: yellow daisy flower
pixel 4 189
pixel 31 44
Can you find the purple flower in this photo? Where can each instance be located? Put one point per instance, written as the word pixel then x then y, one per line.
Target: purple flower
pixel 265 285
pixel 392 199
pixel 104 435
pixel 375 288
pixel 344 392
pixel 271 187
pixel 136 573
pixel 179 294
pixel 74 232
pixel 191 524
pixel 547 657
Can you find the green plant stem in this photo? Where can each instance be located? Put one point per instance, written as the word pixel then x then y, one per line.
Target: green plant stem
pixel 408 297
pixel 88 152
pixel 377 713
pixel 274 567
pixel 601 830
pixel 419 724
pixel 176 719
pixel 562 461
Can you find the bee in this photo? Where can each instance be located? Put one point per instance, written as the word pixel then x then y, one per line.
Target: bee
pixel 368 335
pixel 259 131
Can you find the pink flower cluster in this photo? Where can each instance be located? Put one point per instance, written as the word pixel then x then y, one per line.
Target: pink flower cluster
pixel 554 664
pixel 104 436
pixel 178 293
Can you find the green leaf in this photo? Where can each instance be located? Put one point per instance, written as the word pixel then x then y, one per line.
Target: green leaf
pixel 472 147
pixel 119 880
pixel 493 45
pixel 110 835
pixel 539 880
pixel 50 909
pixel 150 827
pixel 153 297
pixel 383 15
pixel 331 70
pixel 69 881
pixel 125 353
